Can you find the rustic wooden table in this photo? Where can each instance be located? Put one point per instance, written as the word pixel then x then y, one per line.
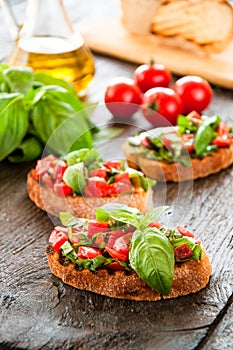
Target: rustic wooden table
pixel 40 312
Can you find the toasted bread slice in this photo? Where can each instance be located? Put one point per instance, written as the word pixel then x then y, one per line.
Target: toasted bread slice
pixel 84 207
pixel 189 277
pixel 177 172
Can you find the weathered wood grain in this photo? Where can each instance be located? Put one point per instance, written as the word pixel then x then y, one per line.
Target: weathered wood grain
pixel 40 312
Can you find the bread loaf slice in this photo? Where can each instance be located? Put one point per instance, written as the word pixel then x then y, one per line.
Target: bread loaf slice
pixel 204 24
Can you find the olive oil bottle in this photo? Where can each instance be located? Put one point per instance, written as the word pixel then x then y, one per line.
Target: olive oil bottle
pixel 47 43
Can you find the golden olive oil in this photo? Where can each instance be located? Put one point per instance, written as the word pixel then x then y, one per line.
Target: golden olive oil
pixel 64 59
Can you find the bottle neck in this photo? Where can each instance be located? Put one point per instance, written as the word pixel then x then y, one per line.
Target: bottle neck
pixel 46 18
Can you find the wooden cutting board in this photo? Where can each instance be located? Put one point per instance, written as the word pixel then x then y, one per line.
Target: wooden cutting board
pixel 110 38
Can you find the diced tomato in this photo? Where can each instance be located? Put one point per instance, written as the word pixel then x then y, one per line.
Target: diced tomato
pixel 116 266
pixel 122 176
pixel 62 189
pixel 112 189
pixel 222 140
pixel 116 255
pixel 45 165
pixel 195 117
pixel 130 229
pixel 146 142
pixel 97 187
pixel 167 143
pixel 188 140
pixel 198 242
pixel 222 129
pixel 155 224
pixel 88 252
pixel 183 252
pixel 99 173
pixel 57 238
pixel 185 232
pixel 47 180
pixel 95 226
pixel 113 164
pixel 124 186
pixel 113 236
pixel 59 170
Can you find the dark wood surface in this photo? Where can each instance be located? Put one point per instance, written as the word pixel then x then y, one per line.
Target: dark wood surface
pixel 40 312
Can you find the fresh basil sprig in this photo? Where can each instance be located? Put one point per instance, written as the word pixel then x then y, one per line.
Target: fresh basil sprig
pixel 152 257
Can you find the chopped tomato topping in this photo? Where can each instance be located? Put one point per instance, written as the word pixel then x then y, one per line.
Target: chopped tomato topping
pixel 188 140
pixel 116 266
pixel 222 140
pixel 88 252
pixel 167 143
pixel 59 170
pixel 222 129
pixel 44 165
pixel 58 237
pixel 99 173
pixel 195 117
pixel 183 252
pixel 113 164
pixel 62 189
pixel 155 224
pixel 97 187
pixel 116 255
pixel 146 142
pixel 113 236
pixel 122 176
pixel 47 180
pixel 96 227
pixel 185 232
pixel 124 186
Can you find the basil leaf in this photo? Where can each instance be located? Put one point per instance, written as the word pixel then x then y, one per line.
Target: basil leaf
pixel 76 156
pixel 74 177
pixel 119 212
pixel 152 257
pixel 44 79
pixel 29 149
pixel 139 180
pixel 19 79
pixel 203 138
pixel 197 252
pixel 91 156
pixel 67 219
pixel 13 122
pixel 185 125
pixel 211 121
pixel 151 216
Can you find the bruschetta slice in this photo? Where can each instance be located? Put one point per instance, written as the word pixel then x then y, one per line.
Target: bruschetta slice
pixel 197 147
pixel 80 182
pixel 125 254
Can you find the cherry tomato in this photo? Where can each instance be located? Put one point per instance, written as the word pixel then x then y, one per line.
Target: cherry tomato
pixel 88 252
pixel 161 106
pixel 195 93
pixel 122 97
pixel 148 76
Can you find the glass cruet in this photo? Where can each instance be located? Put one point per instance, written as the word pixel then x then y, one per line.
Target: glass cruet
pixel 47 42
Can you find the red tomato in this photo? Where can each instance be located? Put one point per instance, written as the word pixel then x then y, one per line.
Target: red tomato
pixel 96 227
pixel 185 232
pixel 58 238
pixel 124 186
pixel 161 106
pixel 183 252
pixel 99 173
pixel 116 266
pixel 47 180
pixel 222 129
pixel 88 252
pixel 222 140
pixel 44 165
pixel 122 97
pixel 97 187
pixel 113 237
pixel 188 140
pixel 148 76
pixel 62 189
pixel 116 255
pixel 113 164
pixel 195 93
pixel 155 224
pixel 59 170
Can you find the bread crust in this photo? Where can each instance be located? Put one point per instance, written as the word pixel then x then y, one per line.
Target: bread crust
pixel 189 277
pixel 176 172
pixel 84 207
